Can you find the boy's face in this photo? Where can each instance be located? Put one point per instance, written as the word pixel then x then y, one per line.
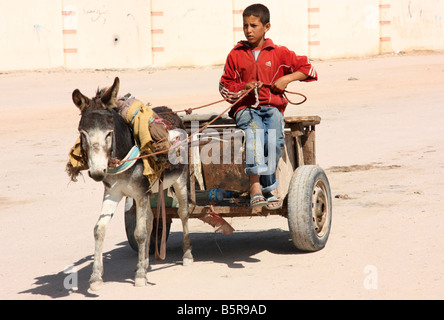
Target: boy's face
pixel 255 31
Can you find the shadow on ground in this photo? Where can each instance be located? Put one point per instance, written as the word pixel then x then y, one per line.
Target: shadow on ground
pixel 235 251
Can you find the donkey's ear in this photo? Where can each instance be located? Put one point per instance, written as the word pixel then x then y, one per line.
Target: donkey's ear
pixel 80 100
pixel 109 98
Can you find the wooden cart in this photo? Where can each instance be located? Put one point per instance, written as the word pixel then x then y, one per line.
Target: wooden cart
pixel 302 184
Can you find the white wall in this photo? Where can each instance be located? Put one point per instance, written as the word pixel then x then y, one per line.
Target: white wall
pixel 195 32
pixel 30 34
pixel 348 28
pixel 418 25
pixel 104 34
pixel 107 34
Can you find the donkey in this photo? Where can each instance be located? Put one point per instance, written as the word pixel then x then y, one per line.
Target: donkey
pixel 105 135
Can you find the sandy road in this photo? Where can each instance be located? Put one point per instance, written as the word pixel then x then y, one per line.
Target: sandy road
pixel 381 142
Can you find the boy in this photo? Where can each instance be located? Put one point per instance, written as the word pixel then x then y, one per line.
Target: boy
pixel 259 62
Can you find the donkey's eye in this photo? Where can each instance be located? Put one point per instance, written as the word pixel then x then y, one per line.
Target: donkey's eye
pixel 109 138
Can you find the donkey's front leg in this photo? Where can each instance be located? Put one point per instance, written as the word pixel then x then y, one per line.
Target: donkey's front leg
pixel 180 188
pixel 142 233
pixel 109 205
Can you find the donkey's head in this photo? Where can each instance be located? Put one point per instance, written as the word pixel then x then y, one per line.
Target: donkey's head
pixel 97 127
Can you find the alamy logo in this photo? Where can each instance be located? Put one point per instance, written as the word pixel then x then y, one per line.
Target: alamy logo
pixel 371 278
pixel 71 280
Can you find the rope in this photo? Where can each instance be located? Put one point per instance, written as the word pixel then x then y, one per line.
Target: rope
pixel 190 110
pixel 290 92
pixel 299 94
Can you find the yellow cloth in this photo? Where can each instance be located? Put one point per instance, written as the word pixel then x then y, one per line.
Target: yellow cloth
pixel 140 124
pixel 75 156
pixel 76 163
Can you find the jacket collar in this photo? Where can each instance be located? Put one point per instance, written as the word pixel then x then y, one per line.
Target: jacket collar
pixel 245 45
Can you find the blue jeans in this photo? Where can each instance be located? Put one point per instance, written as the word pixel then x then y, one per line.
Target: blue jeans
pixel 264 131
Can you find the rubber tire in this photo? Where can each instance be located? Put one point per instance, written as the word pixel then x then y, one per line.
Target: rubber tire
pixel 130 226
pixel 304 185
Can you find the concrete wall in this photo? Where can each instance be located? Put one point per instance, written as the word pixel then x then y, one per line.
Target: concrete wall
pixel 104 34
pixel 417 25
pixel 30 34
pixel 345 28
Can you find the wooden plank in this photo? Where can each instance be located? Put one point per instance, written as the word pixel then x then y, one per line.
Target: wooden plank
pixel 297 131
pixel 287 165
pixel 228 212
pixel 304 120
pixel 228 176
pixel 300 151
pixel 192 178
pixel 206 117
pixel 308 146
pixel 225 121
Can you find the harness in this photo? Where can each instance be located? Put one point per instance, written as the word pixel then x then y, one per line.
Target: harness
pixel 133 153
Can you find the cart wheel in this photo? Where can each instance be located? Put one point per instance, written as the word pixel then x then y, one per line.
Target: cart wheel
pixel 130 226
pixel 309 208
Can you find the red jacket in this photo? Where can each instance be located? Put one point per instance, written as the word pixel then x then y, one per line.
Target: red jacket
pixel 273 62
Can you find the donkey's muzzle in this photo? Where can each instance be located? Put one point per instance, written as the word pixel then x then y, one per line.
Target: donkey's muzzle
pixel 97 175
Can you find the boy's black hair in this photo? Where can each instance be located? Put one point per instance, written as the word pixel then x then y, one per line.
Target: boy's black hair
pixel 258 10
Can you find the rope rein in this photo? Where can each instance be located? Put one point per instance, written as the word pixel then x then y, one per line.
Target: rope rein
pixel 116 162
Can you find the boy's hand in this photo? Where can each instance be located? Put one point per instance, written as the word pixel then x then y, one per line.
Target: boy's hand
pixel 250 85
pixel 279 86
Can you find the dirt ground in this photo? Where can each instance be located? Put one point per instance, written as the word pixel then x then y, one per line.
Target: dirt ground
pixel 381 143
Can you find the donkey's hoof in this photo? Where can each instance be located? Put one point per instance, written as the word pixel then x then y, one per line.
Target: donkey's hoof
pixel 96 285
pixel 187 261
pixel 140 282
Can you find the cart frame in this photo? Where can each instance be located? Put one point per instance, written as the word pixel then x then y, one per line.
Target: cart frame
pixel 302 185
pixel 300 149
